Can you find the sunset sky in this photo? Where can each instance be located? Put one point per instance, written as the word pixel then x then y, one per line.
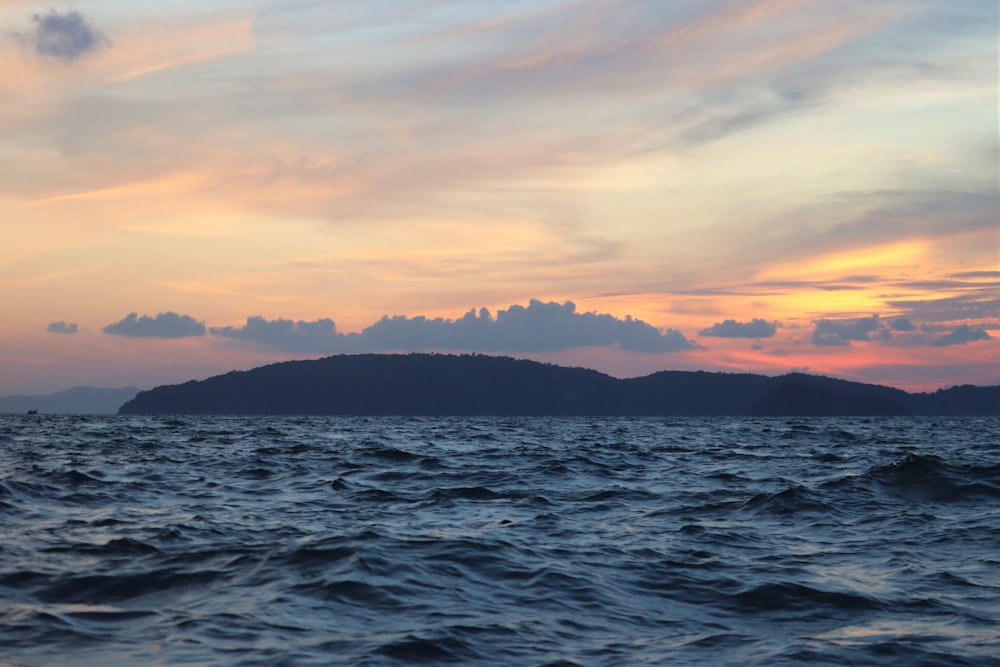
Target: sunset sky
pixel 188 188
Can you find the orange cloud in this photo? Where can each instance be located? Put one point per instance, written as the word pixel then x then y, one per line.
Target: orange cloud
pixel 883 258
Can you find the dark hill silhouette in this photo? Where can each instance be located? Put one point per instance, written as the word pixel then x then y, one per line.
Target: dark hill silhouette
pixel 805 395
pixel 376 384
pixel 441 384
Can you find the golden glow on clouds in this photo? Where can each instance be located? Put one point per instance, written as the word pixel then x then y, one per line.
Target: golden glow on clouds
pixel 859 261
pixel 789 160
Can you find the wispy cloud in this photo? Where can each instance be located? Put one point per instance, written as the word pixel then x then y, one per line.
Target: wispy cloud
pixel 793 161
pixel 166 48
pixel 981 306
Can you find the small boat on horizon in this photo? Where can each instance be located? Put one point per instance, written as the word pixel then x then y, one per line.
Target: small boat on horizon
pixel 32 412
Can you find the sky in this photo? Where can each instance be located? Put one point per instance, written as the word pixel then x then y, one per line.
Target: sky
pixel 626 185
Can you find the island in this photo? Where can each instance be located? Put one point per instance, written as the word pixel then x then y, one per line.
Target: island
pixel 485 385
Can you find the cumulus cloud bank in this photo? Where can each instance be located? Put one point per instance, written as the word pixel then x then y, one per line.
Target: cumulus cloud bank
pixel 66 37
pixel 961 335
pixel 842 332
pixel 755 328
pixel 63 327
pixel 164 325
pixel 537 327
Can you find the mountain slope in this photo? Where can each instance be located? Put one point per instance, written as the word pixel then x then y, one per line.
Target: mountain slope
pixel 78 400
pixel 433 384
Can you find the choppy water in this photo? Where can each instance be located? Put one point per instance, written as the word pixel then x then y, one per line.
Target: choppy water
pixel 324 541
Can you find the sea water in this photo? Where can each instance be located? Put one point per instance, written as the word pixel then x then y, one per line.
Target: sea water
pixel 498 541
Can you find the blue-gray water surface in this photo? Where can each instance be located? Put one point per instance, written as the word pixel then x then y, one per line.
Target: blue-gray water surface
pixel 498 541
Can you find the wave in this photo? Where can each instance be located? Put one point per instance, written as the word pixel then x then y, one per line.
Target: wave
pixel 795 598
pixel 506 542
pixel 790 501
pixel 932 478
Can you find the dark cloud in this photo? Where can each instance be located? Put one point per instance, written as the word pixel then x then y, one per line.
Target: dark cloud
pixel 63 328
pixel 903 324
pixel 318 336
pixel 537 327
pixel 838 285
pixel 66 37
pixel 977 274
pixel 981 307
pixel 961 335
pixel 842 332
pixel 164 325
pixel 755 328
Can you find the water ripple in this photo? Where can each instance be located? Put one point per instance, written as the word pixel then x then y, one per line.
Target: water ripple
pixel 382 541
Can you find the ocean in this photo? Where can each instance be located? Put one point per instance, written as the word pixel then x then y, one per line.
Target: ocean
pixel 499 541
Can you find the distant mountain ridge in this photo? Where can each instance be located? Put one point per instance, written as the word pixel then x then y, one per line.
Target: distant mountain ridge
pixel 78 400
pixel 469 385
